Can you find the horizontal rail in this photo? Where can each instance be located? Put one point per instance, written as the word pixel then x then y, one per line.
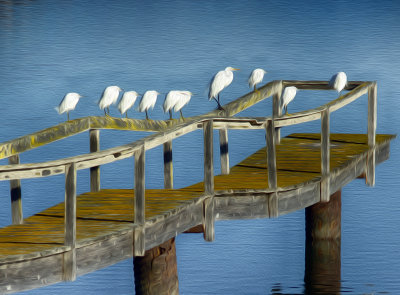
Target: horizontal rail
pixel 318 85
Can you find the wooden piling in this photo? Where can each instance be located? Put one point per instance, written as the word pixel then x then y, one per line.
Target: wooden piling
pixel 271 155
pixel 323 240
pixel 94 138
pixel 139 196
pixel 69 272
pixel 156 272
pixel 168 165
pixel 372 120
pixel 325 156
pixel 16 198
pixel 277 108
pixel 208 157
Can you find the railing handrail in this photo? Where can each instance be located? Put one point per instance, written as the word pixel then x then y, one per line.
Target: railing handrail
pixel 84 161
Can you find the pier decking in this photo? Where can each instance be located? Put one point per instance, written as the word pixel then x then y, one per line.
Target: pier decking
pixel 104 226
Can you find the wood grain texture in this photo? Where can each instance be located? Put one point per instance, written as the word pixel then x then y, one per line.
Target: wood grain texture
pixel 168 165
pixel 271 155
pixel 325 156
pixel 277 108
pixel 372 122
pixel 208 158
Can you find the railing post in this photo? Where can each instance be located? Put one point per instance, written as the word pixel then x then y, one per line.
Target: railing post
pixel 139 196
pixel 208 220
pixel 277 108
pixel 271 155
pixel 15 191
pixel 69 273
pixel 168 165
pixel 372 121
pixel 94 135
pixel 223 149
pixel 325 156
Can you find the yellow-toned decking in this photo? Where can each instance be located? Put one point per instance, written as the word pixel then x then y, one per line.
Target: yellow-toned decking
pixel 108 211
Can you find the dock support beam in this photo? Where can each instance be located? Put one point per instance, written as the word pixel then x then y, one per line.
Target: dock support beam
pixel 372 119
pixel 271 155
pixel 323 240
pixel 69 272
pixel 139 195
pixel 94 138
pixel 208 215
pixel 15 191
pixel 277 108
pixel 224 152
pixel 168 165
pixel 156 272
pixel 325 156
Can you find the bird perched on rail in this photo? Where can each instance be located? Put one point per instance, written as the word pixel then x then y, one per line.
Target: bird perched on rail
pixel 220 81
pixel 256 77
pixel 148 101
pixel 110 96
pixel 338 82
pixel 127 101
pixel 68 103
pixel 287 96
pixel 176 99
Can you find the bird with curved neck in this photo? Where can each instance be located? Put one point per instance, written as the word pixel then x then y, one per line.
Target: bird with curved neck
pixel 219 82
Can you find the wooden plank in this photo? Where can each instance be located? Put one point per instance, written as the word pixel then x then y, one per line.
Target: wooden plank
pixel 208 157
pixel 318 85
pixel 277 109
pixel 224 151
pixel 70 223
pixel 372 121
pixel 94 139
pixel 271 155
pixel 168 165
pixel 15 192
pixel 273 210
pixel 325 156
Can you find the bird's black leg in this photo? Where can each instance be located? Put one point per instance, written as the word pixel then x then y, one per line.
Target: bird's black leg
pixel 68 115
pixel 147 116
pixel 219 105
pixel 285 110
pixel 181 114
pixel 105 113
pixel 170 114
pixel 126 114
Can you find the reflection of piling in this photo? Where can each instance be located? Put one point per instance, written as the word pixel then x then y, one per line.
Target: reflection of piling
pixel 323 238
pixel 156 272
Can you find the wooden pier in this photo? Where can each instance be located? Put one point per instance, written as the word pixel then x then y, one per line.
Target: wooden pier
pixel 104 226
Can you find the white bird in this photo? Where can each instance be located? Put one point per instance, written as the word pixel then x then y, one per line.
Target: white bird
pixel 148 101
pixel 338 81
pixel 221 80
pixel 110 96
pixel 68 103
pixel 256 77
pixel 287 96
pixel 127 101
pixel 176 99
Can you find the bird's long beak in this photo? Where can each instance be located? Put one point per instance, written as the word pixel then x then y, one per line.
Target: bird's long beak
pixel 235 69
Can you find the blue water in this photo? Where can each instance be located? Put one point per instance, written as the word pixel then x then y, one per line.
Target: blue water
pixel 49 48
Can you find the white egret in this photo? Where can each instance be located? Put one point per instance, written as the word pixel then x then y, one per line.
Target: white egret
pixel 68 103
pixel 176 99
pixel 287 96
pixel 221 80
pixel 110 96
pixel 338 82
pixel 148 101
pixel 256 77
pixel 127 101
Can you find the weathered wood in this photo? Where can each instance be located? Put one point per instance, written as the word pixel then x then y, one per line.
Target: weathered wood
pixel 94 138
pixel 224 151
pixel 15 192
pixel 271 155
pixel 70 223
pixel 209 219
pixel 139 196
pixel 208 158
pixel 168 165
pixel 273 205
pixel 277 108
pixel 325 156
pixel 372 121
pixel 156 272
pixel 318 85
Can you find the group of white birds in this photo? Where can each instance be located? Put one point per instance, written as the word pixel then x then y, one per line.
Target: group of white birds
pixel 175 100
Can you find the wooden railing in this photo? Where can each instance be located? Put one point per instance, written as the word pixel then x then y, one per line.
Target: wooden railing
pixel 171 130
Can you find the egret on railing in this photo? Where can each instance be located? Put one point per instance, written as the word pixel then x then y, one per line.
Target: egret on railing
pixel 110 96
pixel 220 81
pixel 256 77
pixel 338 82
pixel 68 103
pixel 148 101
pixel 127 101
